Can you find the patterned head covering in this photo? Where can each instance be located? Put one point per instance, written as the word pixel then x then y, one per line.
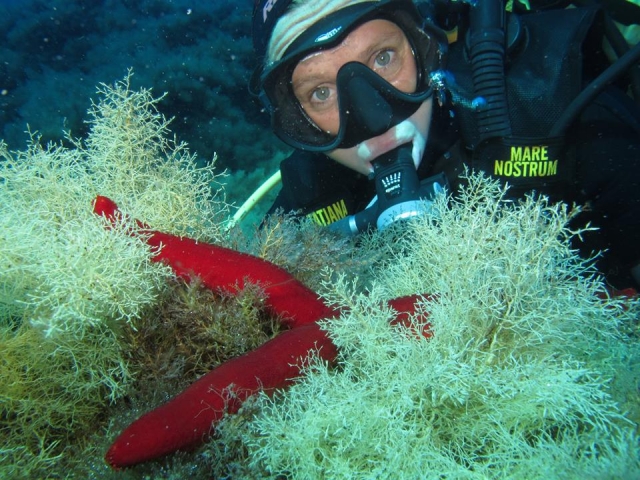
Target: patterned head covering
pixel 298 18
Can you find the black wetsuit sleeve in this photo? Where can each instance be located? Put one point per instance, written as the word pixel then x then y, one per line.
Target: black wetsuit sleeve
pixel 312 181
pixel 607 140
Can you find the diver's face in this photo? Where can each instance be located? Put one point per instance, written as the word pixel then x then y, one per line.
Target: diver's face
pixel 383 47
pixel 378 44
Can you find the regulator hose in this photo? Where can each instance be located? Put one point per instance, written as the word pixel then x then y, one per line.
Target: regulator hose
pixel 487 54
pixel 619 67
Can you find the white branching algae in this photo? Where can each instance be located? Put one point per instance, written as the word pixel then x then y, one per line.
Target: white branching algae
pixel 69 281
pixel 513 382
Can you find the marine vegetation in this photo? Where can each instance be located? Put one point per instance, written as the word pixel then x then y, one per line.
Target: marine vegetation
pixel 69 286
pixel 529 368
pixel 514 381
pixel 94 330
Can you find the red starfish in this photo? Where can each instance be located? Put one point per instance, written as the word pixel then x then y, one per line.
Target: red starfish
pixel 186 420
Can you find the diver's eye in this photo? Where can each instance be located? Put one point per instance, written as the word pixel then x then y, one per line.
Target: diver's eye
pixel 321 94
pixel 383 59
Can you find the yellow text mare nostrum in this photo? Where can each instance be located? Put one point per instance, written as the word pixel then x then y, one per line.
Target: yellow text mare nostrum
pixel 527 161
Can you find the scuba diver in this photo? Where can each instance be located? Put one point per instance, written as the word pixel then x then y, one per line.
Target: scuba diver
pixel 385 103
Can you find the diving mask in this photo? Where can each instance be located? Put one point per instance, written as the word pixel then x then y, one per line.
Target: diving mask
pixel 368 105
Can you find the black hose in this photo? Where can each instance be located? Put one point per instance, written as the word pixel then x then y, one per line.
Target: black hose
pixel 487 53
pixel 594 89
pixel 620 47
pixel 616 39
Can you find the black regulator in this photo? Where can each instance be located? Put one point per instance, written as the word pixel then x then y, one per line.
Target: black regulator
pixel 400 195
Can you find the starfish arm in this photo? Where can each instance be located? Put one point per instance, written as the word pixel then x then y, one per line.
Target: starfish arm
pixel 405 308
pixel 227 270
pixel 221 268
pixel 188 419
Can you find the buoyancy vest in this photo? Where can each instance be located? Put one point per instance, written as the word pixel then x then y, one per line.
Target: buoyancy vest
pixel 551 55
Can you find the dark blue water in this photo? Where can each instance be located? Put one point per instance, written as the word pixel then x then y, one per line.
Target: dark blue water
pixel 53 54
